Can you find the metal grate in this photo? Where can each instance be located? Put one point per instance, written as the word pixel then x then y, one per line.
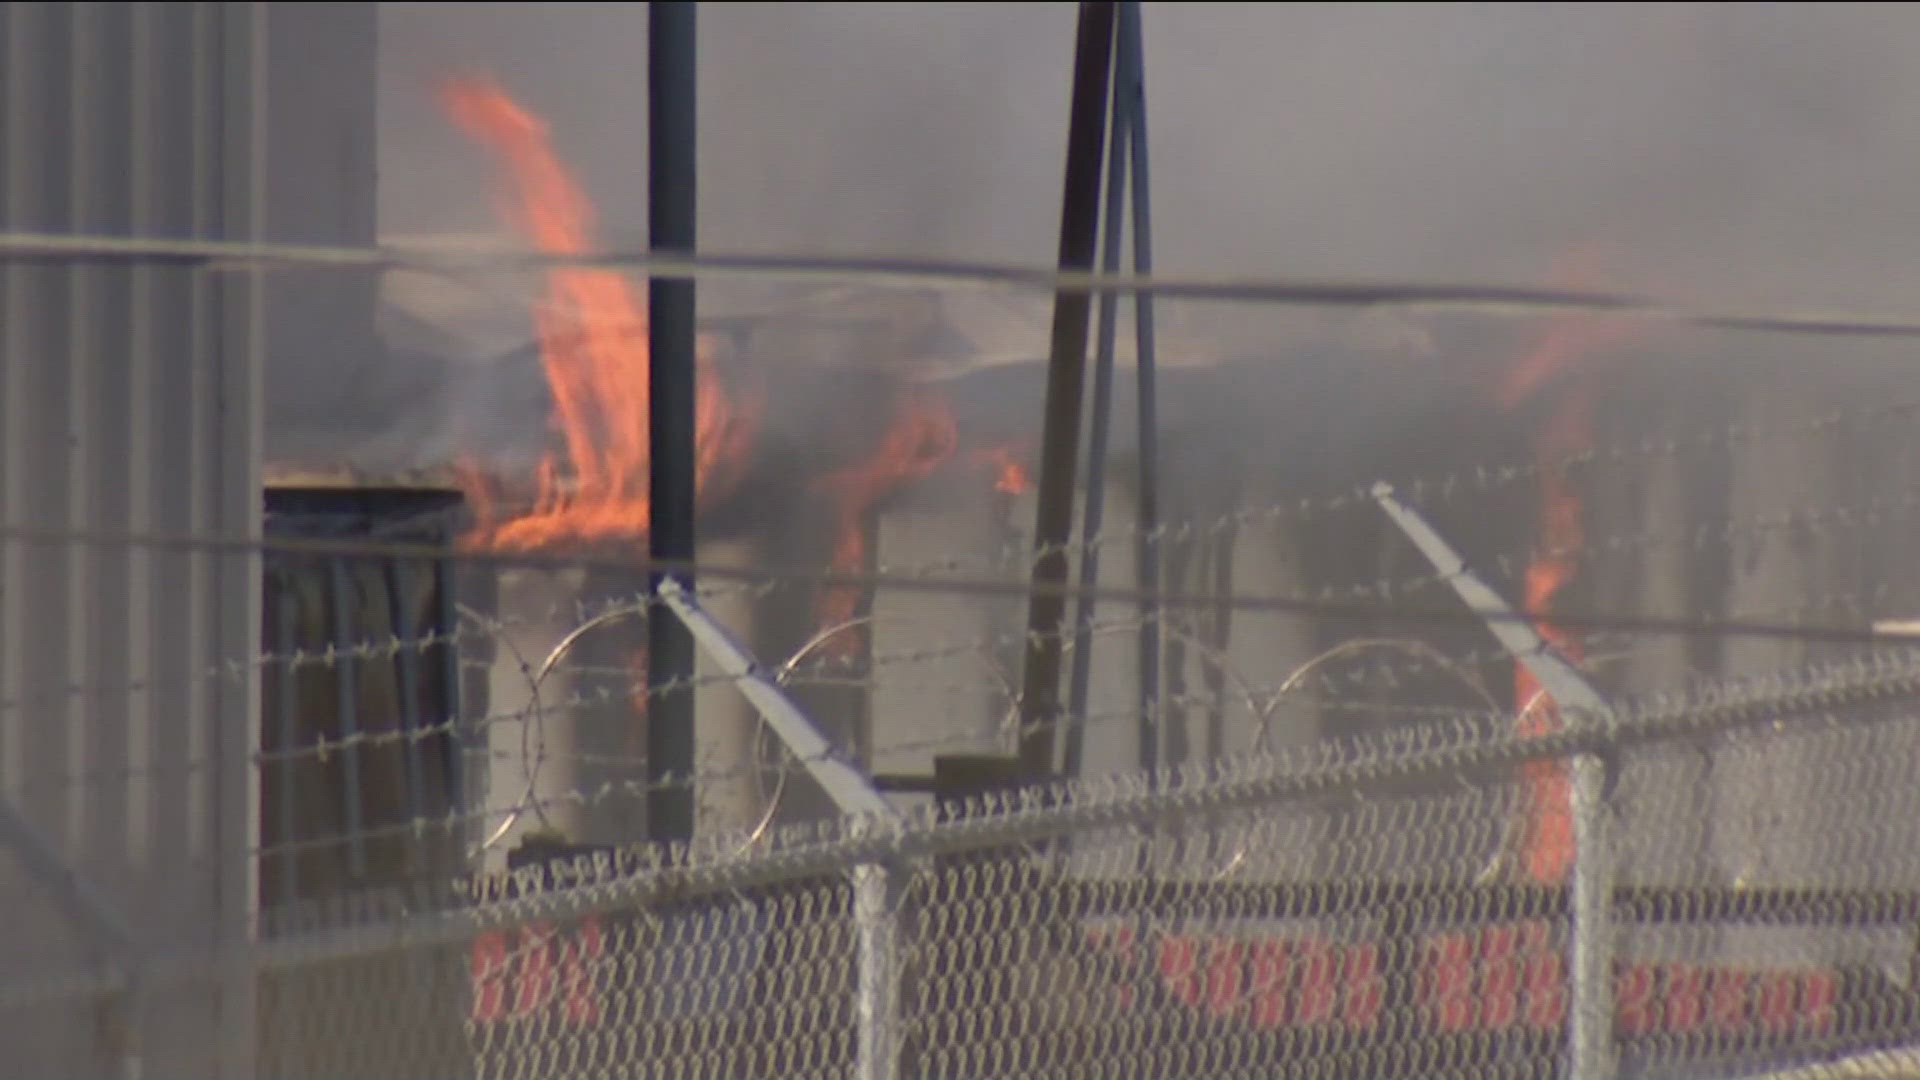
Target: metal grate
pixel 366 664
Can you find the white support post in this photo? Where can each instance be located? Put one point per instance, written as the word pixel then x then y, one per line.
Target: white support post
pixel 875 884
pixel 1591 1022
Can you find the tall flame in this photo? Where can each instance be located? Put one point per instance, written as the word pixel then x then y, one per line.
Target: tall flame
pixel 1565 434
pixel 1553 372
pixel 593 348
pixel 919 439
pixel 593 338
pixel 1549 847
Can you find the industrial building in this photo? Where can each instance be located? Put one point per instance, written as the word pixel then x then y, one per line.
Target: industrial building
pixel 275 729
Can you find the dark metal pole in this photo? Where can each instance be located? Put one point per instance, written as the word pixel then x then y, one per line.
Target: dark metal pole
pixel 1066 377
pixel 1092 519
pixel 1133 63
pixel 670 383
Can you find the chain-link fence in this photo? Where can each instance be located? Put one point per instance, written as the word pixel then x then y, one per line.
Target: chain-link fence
pixel 1395 844
pixel 1329 913
pixel 1582 748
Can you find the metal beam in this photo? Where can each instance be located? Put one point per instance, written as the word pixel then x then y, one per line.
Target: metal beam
pixel 1133 75
pixel 1591 1027
pixel 876 885
pixel 1567 686
pixel 849 789
pixel 1040 710
pixel 1093 517
pixel 671 179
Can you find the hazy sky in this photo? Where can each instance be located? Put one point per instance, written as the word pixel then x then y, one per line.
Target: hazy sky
pixel 1717 153
pixel 1725 151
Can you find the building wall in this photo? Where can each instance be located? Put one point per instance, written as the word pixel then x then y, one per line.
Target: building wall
pixel 130 402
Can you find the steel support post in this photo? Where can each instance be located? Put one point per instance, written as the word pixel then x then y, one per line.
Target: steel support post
pixel 1590 1028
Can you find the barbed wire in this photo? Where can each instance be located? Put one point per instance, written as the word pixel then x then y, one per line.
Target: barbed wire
pixel 1815 699
pixel 1009 589
pixel 1456 724
pixel 1259 700
pixel 485 628
pixel 1505 564
pixel 1326 684
pixel 1495 300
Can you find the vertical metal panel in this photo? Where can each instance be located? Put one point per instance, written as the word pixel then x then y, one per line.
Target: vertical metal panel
pixel 145 124
pixel 16 77
pixel 129 403
pixel 235 504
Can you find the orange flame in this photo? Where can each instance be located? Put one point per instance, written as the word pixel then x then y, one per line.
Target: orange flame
pixel 1549 849
pixel 1564 435
pixel 1009 473
pixel 593 337
pixel 920 438
pixel 1567 432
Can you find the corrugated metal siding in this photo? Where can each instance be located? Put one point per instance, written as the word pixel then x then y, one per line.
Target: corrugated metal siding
pixel 129 404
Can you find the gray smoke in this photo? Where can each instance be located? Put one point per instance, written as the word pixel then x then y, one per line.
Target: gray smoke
pixel 1747 154
pixel 1735 150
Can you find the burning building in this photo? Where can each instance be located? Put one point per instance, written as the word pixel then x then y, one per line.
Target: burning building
pixel 875 433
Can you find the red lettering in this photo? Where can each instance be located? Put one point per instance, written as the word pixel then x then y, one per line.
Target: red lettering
pixel 1777 992
pixel 1365 987
pixel 1269 985
pixel 1635 995
pixel 1450 981
pixel 1685 1008
pixel 1545 977
pixel 1491 979
pixel 1727 1001
pixel 1499 977
pixel 536 969
pixel 1226 972
pixel 489 976
pixel 1317 994
pixel 1178 968
pixel 1817 993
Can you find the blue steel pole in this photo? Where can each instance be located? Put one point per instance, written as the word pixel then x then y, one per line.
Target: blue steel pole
pixel 1092 518
pixel 1133 64
pixel 1040 704
pixel 670 329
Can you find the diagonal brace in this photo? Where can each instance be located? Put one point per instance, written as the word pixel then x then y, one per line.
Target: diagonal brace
pixel 849 789
pixel 84 906
pixel 877 886
pixel 1591 1029
pixel 1563 682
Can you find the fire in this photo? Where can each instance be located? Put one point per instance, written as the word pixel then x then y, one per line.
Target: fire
pixel 592 331
pixel 1009 473
pixel 1549 845
pixel 1566 433
pixel 593 337
pixel 920 438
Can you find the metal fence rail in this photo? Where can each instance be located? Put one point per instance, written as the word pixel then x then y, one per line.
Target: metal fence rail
pixel 1291 934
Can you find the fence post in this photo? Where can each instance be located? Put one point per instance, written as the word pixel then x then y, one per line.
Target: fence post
pixel 1590 1013
pixel 877 982
pixel 1592 909
pixel 875 885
